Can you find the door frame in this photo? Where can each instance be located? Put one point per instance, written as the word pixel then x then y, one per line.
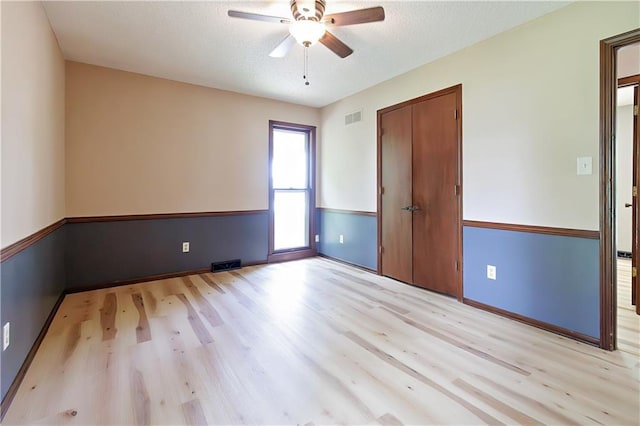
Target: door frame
pixel 635 254
pixel 296 253
pixel 457 89
pixel 608 255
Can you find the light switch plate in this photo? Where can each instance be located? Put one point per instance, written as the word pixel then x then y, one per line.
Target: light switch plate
pixel 585 166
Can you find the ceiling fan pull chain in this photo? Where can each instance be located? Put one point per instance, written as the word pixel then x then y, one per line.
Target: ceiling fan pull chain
pixel 305 75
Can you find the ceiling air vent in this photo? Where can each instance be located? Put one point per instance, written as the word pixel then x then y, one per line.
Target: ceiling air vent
pixel 354 117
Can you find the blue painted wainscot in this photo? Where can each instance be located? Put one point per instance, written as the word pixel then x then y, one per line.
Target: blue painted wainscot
pixel 112 250
pixel 549 278
pixel 32 281
pixel 360 233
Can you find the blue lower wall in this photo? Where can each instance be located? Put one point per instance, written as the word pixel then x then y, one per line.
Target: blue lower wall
pixel 550 278
pixel 31 283
pixel 104 252
pixel 360 237
pixel 81 255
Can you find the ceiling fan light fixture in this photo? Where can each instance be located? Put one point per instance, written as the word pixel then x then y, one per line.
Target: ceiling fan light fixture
pixel 307 32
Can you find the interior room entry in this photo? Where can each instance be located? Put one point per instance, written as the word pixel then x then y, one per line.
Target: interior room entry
pixel 628 128
pixel 419 197
pixel 610 75
pixel 635 249
pixel 627 177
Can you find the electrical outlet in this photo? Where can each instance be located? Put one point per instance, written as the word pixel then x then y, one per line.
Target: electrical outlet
pixel 341 239
pixel 491 272
pixel 5 336
pixel 317 238
pixel 185 247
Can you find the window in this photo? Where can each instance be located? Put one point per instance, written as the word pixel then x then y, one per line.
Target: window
pixel 291 191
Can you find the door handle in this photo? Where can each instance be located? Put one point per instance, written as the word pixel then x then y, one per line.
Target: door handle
pixel 411 208
pixel 627 205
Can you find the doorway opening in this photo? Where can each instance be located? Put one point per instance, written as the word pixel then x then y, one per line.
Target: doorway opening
pixel 609 49
pixel 291 191
pixel 627 215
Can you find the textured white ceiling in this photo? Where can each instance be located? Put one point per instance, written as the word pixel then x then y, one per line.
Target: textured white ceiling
pixel 196 42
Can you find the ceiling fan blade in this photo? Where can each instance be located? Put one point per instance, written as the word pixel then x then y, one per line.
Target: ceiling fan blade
pixel 258 17
pixel 320 5
pixel 335 45
pixel 360 16
pixel 283 47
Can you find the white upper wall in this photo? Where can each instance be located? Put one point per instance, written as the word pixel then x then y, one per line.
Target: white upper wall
pixel 624 175
pixel 628 60
pixel 32 122
pixel 530 108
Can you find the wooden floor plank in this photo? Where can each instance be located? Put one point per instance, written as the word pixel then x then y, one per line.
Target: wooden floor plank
pixel 193 413
pixel 196 322
pixel 108 317
pixel 316 342
pixel 628 320
pixel 141 401
pixel 143 333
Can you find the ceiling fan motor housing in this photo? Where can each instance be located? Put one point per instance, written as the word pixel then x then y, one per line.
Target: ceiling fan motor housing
pixel 306 13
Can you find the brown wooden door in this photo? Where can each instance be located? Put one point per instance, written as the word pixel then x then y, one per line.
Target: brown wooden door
pixel 419 149
pixel 435 194
pixel 635 223
pixel 395 153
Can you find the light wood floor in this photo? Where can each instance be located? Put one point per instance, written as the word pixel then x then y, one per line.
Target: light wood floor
pixel 311 342
pixel 628 320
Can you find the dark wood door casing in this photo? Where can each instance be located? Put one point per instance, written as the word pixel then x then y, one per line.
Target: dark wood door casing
pixel 635 223
pixel 444 249
pixel 608 275
pixel 435 194
pixel 396 172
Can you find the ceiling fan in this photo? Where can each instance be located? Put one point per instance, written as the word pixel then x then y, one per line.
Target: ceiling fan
pixel 308 25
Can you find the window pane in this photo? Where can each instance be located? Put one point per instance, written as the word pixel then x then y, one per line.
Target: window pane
pixel 290 220
pixel 289 167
